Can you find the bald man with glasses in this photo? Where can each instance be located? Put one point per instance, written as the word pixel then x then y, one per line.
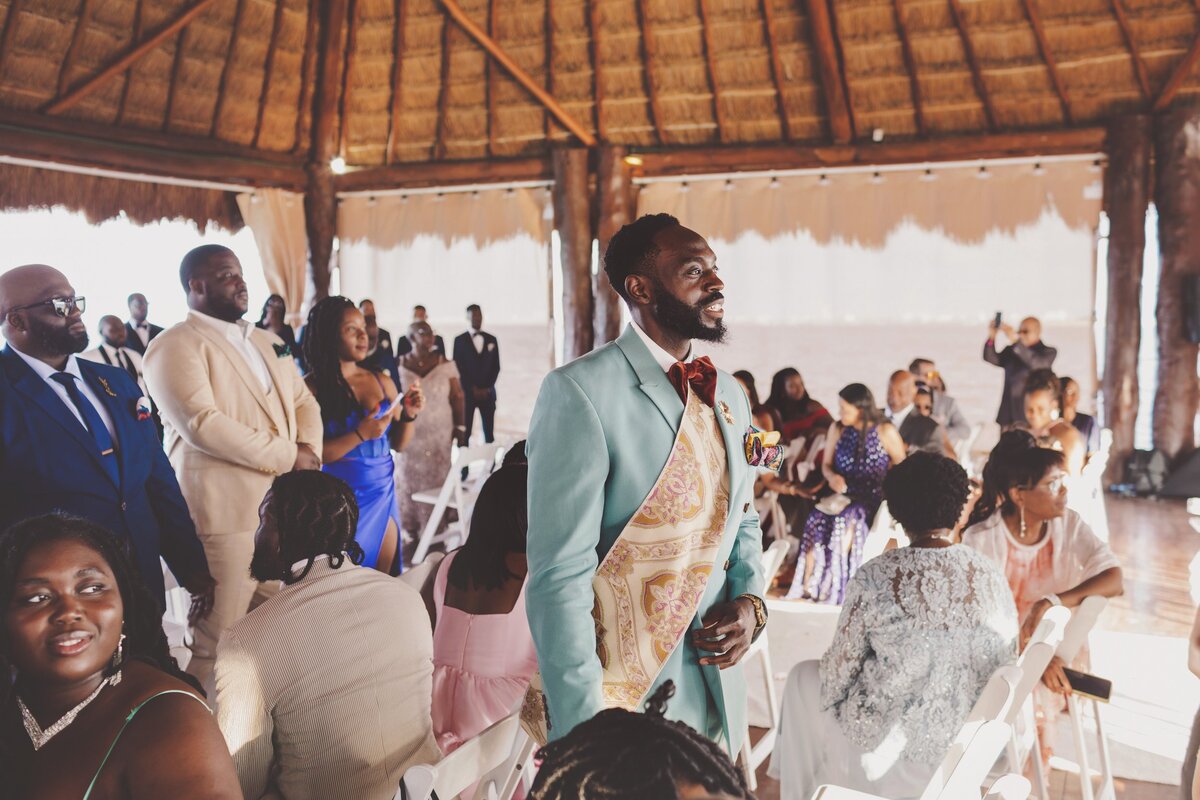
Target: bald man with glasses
pixel 1026 353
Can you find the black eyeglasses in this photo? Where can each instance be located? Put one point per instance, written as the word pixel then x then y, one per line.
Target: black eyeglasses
pixel 62 305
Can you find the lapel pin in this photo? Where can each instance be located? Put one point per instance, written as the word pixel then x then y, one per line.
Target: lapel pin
pixel 107 389
pixel 725 412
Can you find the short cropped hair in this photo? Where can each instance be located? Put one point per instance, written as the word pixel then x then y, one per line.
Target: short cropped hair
pixel 196 258
pixel 632 250
pixel 926 492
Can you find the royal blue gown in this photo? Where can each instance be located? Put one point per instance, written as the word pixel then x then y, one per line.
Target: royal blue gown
pixel 369 471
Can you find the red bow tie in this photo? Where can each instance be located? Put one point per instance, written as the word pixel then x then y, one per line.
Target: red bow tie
pixel 702 376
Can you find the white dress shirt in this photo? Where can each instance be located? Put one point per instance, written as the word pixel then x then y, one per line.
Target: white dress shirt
pixel 238 334
pixel 117 357
pixel 898 417
pixel 477 340
pixel 142 329
pixel 44 372
pixel 660 356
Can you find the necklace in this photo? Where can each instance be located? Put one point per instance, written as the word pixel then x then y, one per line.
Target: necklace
pixel 40 737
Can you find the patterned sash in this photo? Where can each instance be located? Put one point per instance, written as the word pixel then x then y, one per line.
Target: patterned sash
pixel 649 586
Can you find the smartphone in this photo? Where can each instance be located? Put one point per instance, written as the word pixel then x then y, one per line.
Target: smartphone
pixel 996 321
pixel 1088 685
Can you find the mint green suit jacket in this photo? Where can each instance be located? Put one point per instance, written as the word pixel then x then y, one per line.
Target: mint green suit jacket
pixel 602 431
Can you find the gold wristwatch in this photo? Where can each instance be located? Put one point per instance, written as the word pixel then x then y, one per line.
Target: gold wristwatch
pixel 760 614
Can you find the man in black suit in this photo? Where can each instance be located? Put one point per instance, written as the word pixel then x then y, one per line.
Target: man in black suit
pixel 1026 353
pixel 380 355
pixel 404 346
pixel 140 332
pixel 477 356
pixel 918 432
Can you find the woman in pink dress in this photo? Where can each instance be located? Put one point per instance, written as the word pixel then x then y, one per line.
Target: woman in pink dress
pixel 483 654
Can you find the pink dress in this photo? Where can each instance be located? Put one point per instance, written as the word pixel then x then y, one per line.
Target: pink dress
pixel 482 664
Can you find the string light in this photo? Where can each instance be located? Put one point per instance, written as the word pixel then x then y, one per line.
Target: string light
pixel 877 179
pixel 774 183
pixel 633 161
pixel 1097 167
pixel 729 186
pixel 928 177
pixel 983 174
pixel 683 187
pixel 338 165
pixel 824 181
pixel 1038 169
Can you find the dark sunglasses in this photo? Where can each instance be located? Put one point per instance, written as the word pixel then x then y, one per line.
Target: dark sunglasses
pixel 62 305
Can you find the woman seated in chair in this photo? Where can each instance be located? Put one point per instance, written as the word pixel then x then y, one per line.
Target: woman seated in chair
pixel 922 630
pixel 483 652
pixel 1043 415
pixel 98 707
pixel 1048 554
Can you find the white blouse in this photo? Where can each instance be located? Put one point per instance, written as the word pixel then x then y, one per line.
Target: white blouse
pixel 921 632
pixel 1067 555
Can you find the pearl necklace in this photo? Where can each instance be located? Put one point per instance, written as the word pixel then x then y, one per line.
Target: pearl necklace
pixel 40 737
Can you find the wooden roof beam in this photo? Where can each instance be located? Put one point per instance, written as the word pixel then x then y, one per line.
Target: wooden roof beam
pixel 710 64
pixel 234 34
pixel 326 97
pixel 519 75
pixel 9 32
pixel 64 71
pixel 443 106
pixel 127 58
pixel 960 22
pixel 910 63
pixel 1039 33
pixel 594 26
pixel 352 13
pixel 766 7
pixel 139 29
pixel 1178 76
pixel 268 71
pixel 489 86
pixel 308 68
pixel 837 105
pixel 423 174
pixel 548 60
pixel 400 16
pixel 648 71
pixel 176 63
pixel 1139 66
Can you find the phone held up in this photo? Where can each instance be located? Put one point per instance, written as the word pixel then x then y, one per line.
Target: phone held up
pixel 997 320
pixel 1088 685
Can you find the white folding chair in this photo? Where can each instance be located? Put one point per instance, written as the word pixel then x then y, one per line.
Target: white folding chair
pixel 1075 637
pixel 828 792
pixel 962 450
pixel 759 655
pixel 458 494
pixel 883 530
pixel 491 762
pixel 816 452
pixel 175 618
pixel 1009 787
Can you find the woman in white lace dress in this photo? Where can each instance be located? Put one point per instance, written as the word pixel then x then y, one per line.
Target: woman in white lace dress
pixel 426 460
pixel 922 630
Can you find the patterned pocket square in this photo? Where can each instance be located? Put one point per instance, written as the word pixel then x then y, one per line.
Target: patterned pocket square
pixel 282 350
pixel 763 449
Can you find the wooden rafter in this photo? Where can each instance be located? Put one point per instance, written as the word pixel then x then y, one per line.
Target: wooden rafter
pixel 309 64
pixel 1139 66
pixel 326 94
pixel 222 85
pixel 353 11
pixel 1178 76
pixel 594 26
pixel 1039 33
pixel 400 17
pixel 910 63
pixel 127 58
pixel 710 65
pixel 981 89
pixel 648 71
pixel 9 31
pixel 489 87
pixel 268 70
pixel 439 139
pixel 138 29
pixel 768 17
pixel 64 71
pixel 176 65
pixel 518 74
pixel 548 60
pixel 841 123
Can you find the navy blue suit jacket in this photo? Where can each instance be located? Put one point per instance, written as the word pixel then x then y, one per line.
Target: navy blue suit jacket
pixel 477 370
pixel 48 462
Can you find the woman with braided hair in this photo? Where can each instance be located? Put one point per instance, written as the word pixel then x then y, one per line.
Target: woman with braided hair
pixel 622 754
pixel 364 420
pixel 98 707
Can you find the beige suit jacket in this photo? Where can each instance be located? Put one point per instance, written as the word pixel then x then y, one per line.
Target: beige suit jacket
pixel 226 438
pixel 324 691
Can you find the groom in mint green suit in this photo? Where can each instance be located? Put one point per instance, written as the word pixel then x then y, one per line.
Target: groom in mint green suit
pixel 602 431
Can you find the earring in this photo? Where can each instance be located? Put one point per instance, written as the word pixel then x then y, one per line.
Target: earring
pixel 1022 522
pixel 119 655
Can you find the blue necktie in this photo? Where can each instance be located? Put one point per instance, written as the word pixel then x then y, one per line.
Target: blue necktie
pixel 93 423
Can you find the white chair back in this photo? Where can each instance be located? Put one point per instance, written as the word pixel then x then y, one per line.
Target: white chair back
pixel 962 450
pixel 1037 654
pixel 977 760
pixel 1082 621
pixel 480 461
pixel 1010 787
pixel 883 529
pixel 828 792
pixel 489 762
pixel 772 560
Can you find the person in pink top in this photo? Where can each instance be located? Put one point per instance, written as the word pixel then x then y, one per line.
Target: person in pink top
pixel 483 656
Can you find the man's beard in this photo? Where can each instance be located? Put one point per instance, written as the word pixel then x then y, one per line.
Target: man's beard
pixel 60 341
pixel 684 320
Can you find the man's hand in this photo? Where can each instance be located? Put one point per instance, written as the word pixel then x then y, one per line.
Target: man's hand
pixel 731 625
pixel 306 458
pixel 202 587
pixel 458 436
pixel 1054 677
pixel 1008 331
pixel 481 394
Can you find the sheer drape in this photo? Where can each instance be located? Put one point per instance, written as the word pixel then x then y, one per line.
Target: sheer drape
pixel 277 219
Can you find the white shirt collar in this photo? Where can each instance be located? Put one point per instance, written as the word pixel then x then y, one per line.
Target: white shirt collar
pixel 660 356
pixel 475 332
pixel 240 329
pixel 302 563
pixel 44 370
pixel 898 417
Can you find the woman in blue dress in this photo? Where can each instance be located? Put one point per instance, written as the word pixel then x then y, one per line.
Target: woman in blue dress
pixel 364 422
pixel 859 450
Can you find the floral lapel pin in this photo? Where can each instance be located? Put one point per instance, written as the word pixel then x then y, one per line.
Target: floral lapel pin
pixel 763 449
pixel 725 412
pixel 141 408
pixel 107 389
pixel 282 350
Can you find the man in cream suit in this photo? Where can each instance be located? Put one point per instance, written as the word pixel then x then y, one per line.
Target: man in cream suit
pixel 637 449
pixel 237 413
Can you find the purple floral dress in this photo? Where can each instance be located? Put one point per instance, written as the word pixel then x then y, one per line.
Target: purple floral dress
pixel 828 535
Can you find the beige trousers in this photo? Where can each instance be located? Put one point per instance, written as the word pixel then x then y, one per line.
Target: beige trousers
pixel 228 557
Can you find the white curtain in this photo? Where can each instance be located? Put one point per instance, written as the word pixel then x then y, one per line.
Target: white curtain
pixel 277 219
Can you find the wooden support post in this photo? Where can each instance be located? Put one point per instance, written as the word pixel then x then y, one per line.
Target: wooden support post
pixel 320 222
pixel 1126 197
pixel 573 220
pixel 1177 196
pixel 614 184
